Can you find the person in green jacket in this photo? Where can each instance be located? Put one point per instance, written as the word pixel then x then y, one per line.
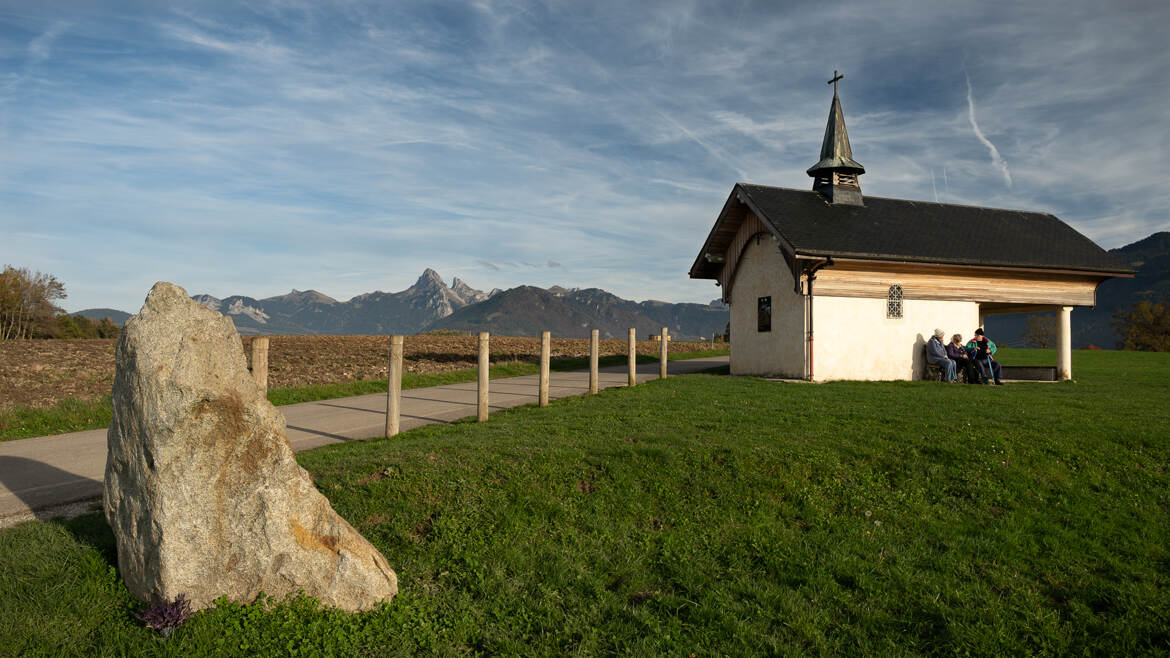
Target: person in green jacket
pixel 971 344
pixel 984 349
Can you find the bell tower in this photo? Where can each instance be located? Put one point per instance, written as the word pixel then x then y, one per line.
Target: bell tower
pixel 835 176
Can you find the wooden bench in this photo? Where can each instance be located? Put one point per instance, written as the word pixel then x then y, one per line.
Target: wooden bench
pixel 934 372
pixel 1029 373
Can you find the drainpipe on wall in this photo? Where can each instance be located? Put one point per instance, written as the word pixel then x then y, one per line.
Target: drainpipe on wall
pixel 812 275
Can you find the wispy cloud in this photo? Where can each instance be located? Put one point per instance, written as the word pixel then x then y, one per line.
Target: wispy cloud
pixel 39 48
pixel 996 160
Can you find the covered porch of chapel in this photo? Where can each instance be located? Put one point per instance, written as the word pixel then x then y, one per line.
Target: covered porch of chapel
pixel 1063 337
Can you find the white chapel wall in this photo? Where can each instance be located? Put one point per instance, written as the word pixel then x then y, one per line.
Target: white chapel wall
pixel 853 339
pixel 762 272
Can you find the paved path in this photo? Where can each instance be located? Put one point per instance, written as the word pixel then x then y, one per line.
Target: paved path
pixel 51 471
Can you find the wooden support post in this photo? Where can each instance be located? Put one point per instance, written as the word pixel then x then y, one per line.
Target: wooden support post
pixel 1064 344
pixel 544 355
pixel 633 376
pixel 394 387
pixel 483 376
pixel 663 348
pixel 593 362
pixel 260 361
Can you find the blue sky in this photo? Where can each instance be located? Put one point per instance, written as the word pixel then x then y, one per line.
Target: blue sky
pixel 252 148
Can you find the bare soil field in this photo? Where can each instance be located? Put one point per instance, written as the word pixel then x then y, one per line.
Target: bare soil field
pixel 40 373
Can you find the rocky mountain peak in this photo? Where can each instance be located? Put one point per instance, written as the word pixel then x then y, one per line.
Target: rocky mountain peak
pixel 210 302
pixel 430 279
pixel 302 297
pixel 466 293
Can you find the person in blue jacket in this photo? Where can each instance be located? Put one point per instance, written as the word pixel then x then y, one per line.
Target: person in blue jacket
pixel 936 354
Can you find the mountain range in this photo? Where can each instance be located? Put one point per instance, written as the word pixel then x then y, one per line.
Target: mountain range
pixel 310 312
pixel 430 304
pixel 573 312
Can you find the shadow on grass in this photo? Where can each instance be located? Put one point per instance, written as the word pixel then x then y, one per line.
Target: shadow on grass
pixel 92 530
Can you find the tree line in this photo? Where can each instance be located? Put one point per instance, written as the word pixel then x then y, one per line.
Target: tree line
pixel 1144 328
pixel 28 309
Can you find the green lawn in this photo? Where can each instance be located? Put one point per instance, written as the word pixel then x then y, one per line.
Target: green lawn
pixel 72 415
pixel 711 515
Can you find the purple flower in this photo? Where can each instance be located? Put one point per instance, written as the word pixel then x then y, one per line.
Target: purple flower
pixel 166 616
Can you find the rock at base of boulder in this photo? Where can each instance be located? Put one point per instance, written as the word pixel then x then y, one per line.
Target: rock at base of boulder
pixel 201 488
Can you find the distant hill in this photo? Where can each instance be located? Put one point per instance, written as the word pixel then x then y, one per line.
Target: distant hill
pixel 250 315
pixel 527 310
pixel 117 317
pixel 1149 256
pixel 522 311
pixel 432 304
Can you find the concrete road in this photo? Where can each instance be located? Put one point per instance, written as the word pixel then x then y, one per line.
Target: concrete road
pixel 52 471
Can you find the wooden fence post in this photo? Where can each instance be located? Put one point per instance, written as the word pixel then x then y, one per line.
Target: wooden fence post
pixel 593 362
pixel 545 348
pixel 394 387
pixel 483 376
pixel 663 339
pixel 260 361
pixel 633 374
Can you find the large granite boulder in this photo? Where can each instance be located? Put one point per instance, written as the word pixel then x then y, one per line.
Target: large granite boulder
pixel 202 491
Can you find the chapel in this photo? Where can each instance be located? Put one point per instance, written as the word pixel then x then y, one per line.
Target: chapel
pixel 870 278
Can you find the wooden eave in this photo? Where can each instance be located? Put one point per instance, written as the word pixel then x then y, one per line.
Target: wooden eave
pixel 894 265
pixel 724 231
pixel 721 235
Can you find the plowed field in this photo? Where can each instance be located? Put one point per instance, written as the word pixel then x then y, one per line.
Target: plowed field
pixel 40 373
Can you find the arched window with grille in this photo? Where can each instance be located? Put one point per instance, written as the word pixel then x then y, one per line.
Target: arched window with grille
pixel 894 303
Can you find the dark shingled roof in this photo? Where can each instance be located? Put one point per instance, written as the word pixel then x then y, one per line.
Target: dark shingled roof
pixel 919 231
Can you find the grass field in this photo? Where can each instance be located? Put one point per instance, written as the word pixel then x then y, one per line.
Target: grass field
pixel 73 415
pixel 711 515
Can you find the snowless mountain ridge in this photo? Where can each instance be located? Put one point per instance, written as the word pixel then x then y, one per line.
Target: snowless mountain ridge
pixel 430 300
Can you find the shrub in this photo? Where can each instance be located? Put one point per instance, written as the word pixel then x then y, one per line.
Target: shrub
pixel 166 616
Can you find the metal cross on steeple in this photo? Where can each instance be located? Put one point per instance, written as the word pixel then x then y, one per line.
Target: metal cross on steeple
pixel 833 82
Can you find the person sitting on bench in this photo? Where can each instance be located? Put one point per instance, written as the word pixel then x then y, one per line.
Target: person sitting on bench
pixel 936 355
pixel 957 353
pixel 984 359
